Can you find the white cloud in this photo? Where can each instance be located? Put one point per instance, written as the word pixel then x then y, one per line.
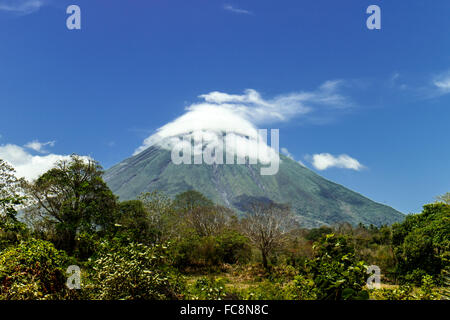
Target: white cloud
pixel 229 7
pixel 221 113
pixel 39 146
pixel 324 161
pixel 286 152
pixel 28 166
pixel 21 6
pixel 443 84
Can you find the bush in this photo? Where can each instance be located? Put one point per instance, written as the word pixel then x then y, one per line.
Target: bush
pixel 301 288
pixel 266 290
pixel 208 289
pixel 134 271
pixel 404 292
pixel 282 273
pixel 336 272
pixel 33 269
pixel 427 291
pixel 211 252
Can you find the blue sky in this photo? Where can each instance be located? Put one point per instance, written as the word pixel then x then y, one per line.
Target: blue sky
pixel 136 65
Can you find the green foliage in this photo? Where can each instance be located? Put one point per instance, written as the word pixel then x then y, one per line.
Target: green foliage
pixel 121 249
pixel 33 269
pixel 71 198
pixel 427 291
pixel 301 288
pixel 133 223
pixel 265 290
pixel 404 292
pixel 134 271
pixel 208 289
pixel 11 199
pixel 336 272
pixel 422 242
pixel 211 252
pixel 233 247
pixel 445 198
pixel 316 233
pixel 190 200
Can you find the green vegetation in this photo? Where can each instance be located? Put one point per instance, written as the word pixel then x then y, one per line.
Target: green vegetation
pixel 188 247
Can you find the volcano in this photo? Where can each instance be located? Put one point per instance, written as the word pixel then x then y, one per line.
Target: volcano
pixel 314 200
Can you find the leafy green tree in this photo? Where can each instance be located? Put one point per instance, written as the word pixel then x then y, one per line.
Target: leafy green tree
pixel 150 219
pixel 422 242
pixel 72 198
pixel 336 272
pixel 11 199
pixel 316 233
pixel 191 199
pixel 132 221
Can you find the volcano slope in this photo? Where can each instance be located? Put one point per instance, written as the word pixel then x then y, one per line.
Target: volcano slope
pixel 314 200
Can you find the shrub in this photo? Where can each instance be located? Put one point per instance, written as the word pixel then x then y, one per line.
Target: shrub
pixel 266 290
pixel 134 271
pixel 301 288
pixel 335 271
pixel 33 269
pixel 208 289
pixel 210 252
pixel 403 292
pixel 428 290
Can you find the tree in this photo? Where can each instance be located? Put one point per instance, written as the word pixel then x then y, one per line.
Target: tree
pixel 422 242
pixel 150 219
pixel 201 214
pixel 72 197
pixel 208 221
pixel 11 198
pixel 191 199
pixel 445 198
pixel 160 215
pixel 266 225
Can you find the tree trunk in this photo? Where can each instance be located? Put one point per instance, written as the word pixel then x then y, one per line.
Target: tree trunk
pixel 264 258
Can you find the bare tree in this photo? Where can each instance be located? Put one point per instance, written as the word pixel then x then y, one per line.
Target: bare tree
pixel 211 220
pixel 267 225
